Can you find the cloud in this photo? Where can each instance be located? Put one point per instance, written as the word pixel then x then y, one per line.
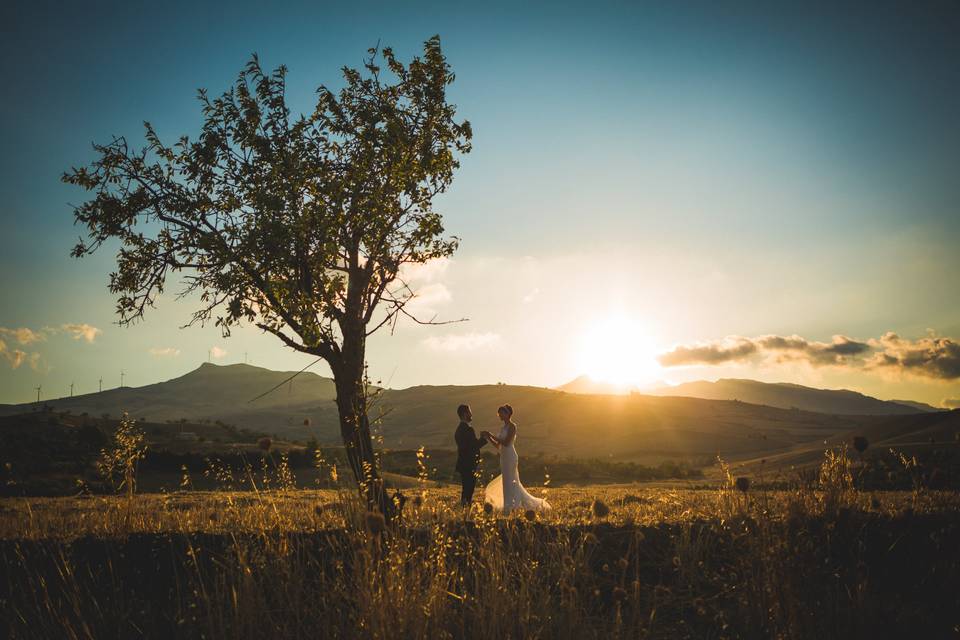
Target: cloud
pixel 85 331
pixel 429 271
pixel 836 352
pixel 216 353
pixel 23 335
pixel 164 352
pixel 424 304
pixel 730 349
pixel 932 357
pixel 26 336
pixel 423 281
pixel 16 357
pixel 951 403
pixel 462 342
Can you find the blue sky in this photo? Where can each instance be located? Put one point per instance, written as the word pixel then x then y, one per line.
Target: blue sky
pixel 696 171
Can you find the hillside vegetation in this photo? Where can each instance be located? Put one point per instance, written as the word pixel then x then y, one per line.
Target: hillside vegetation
pixel 646 429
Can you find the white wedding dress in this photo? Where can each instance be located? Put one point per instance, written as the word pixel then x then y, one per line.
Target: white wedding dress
pixel 505 492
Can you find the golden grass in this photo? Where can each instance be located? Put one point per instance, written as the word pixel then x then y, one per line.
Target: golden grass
pixel 305 510
pixel 606 562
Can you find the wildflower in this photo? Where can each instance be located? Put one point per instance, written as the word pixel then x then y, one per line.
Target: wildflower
pixel 743 483
pixel 265 443
pixel 600 510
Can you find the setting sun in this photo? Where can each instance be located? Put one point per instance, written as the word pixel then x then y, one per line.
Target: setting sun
pixel 618 351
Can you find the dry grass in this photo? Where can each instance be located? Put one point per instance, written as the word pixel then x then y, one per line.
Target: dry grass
pixel 306 511
pixel 606 562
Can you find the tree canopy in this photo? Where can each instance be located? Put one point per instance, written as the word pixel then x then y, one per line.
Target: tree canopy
pixel 298 225
pixel 301 226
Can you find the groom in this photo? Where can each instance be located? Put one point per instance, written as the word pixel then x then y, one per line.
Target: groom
pixel 468 453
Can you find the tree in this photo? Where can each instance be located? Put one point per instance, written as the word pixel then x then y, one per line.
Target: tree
pixel 302 227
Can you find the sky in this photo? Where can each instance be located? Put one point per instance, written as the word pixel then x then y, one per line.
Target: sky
pixel 664 191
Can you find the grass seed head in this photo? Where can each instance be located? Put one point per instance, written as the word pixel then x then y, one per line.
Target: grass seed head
pixel 600 509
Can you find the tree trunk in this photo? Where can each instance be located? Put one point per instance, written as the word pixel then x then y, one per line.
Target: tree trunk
pixel 349 379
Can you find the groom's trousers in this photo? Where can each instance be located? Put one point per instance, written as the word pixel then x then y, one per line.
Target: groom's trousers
pixel 468 480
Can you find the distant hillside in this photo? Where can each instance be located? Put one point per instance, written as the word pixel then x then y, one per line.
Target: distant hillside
pixel 586 384
pixel 212 392
pixel 923 407
pixel 637 427
pixel 787 396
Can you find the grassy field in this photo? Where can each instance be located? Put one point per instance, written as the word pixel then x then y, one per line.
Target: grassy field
pixel 610 561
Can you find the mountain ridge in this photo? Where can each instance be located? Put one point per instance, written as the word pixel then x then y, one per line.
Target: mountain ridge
pixel 789 395
pixel 637 426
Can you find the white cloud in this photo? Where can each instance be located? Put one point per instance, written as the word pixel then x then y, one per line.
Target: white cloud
pixel 23 335
pixel 427 299
pixel 85 331
pixel 462 342
pixel 216 353
pixel 16 357
pixel 429 271
pixel 164 352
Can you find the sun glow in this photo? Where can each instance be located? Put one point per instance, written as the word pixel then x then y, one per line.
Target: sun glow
pixel 618 351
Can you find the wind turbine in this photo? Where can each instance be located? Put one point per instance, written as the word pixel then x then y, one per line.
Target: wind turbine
pixel 122 373
pixel 101 385
pixel 71 389
pixel 38 393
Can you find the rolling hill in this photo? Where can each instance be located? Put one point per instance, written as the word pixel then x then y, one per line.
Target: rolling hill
pixel 637 427
pixel 786 396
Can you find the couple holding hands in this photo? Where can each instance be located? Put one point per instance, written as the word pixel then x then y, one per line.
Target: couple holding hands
pixel 504 493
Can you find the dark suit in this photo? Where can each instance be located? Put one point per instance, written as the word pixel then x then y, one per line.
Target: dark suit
pixel 468 457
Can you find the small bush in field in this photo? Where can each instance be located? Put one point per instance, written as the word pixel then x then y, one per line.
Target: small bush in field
pixel 836 479
pixel 600 509
pixel 860 443
pixel 118 463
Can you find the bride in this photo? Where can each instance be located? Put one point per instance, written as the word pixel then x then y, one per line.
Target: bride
pixel 505 492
